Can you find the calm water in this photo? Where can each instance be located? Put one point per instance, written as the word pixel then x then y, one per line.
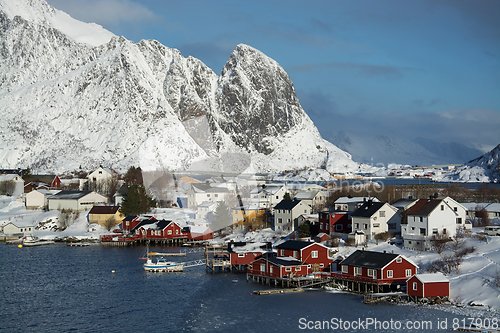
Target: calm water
pixel 58 288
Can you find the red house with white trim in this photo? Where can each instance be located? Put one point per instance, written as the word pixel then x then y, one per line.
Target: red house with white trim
pixel 428 285
pixel 162 230
pixel 311 253
pixel 377 268
pixel 200 233
pixel 278 267
pixel 335 221
pixel 243 253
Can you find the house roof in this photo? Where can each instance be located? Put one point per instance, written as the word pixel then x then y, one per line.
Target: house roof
pixel 343 200
pixel 368 209
pixel 269 188
pixel 424 207
pixel 283 261
pixel 402 203
pixel 249 247
pixel 369 259
pixel 294 245
pixel 129 217
pixel 206 188
pixel 105 210
pixel 287 204
pixel 48 179
pixel 432 277
pixel 70 195
pixel 309 195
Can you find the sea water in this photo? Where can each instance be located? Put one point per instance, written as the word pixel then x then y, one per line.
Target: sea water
pixel 56 288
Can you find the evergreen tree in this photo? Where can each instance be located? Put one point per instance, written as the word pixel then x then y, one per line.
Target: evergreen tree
pixel 222 217
pixel 136 201
pixel 304 230
pixel 133 176
pixel 287 196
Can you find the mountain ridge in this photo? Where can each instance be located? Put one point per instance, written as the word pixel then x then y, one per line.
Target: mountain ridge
pixel 69 104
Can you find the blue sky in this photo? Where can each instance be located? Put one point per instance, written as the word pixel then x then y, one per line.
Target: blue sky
pixel 407 69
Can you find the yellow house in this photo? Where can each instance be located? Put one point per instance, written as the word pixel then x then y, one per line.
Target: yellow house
pixel 249 215
pixel 106 216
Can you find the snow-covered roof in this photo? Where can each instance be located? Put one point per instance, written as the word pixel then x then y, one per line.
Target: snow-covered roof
pixel 309 195
pixel 431 277
pixel 9 177
pixel 198 229
pixel 343 200
pixel 494 207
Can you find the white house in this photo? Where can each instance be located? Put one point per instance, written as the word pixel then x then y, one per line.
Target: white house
pixel 374 218
pixel 18 228
pixel 350 204
pixel 287 212
pixel 39 198
pixel 267 195
pixel 315 199
pixel 199 193
pixel 429 217
pixel 18 183
pixel 76 200
pixel 205 210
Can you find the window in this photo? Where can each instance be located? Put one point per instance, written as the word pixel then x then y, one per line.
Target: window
pixel 208 194
pixel 216 195
pixel 338 227
pixel 356 225
pixel 126 223
pixel 297 268
pixel 389 274
pixel 169 232
pixel 459 220
pixel 421 219
pixel 382 213
pixel 176 232
pixel 376 225
pixel 241 255
pixel 280 220
pixel 314 254
pixel 271 269
pixel 408 273
pixel 399 260
pixel 295 254
pixel 422 231
pixel 442 207
pixel 415 286
pixel 434 231
pixel 321 265
pixel 305 211
pixel 321 226
pixel 455 209
pixel 288 269
pixel 365 226
pixel 282 252
pixel 358 271
pixel 262 267
pixel 277 197
pixel 345 269
pixel 372 273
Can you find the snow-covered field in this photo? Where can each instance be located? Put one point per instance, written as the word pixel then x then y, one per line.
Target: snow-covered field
pixel 474 284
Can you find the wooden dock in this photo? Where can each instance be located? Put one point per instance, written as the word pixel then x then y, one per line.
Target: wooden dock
pixel 277 291
pixel 388 297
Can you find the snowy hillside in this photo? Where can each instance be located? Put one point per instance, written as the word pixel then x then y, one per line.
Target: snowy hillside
pixel 483 169
pixel 74 95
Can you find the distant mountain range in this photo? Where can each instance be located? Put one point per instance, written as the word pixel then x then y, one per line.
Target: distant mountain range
pixel 383 150
pixel 74 96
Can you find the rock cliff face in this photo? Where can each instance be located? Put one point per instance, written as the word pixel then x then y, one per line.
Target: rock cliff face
pixel 484 169
pixel 74 95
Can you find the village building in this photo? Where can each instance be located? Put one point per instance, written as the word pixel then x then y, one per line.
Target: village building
pixel 39 199
pixel 18 228
pixel 404 204
pixel 277 267
pixel 199 193
pixel 162 229
pixel 17 183
pixel 314 254
pixel 376 271
pixel 374 218
pixel 430 218
pixel 315 199
pixel 286 214
pixel 200 233
pixel 350 204
pixel 120 194
pixel 76 200
pixel 242 254
pixel 428 286
pixel 249 215
pixel 52 181
pixel 335 222
pixel 267 195
pixel 106 216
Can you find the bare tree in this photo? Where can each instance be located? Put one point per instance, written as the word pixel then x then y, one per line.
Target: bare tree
pixel 110 223
pixel 7 187
pixel 439 241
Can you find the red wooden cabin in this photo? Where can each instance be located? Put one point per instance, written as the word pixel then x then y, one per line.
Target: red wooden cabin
pixel 311 253
pixel 377 268
pixel 428 285
pixel 243 253
pixel 278 267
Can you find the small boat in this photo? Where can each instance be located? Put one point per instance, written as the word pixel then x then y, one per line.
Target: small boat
pixel 30 240
pixel 155 263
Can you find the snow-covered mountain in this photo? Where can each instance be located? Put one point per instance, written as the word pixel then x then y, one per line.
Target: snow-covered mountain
pixel 482 169
pixel 74 95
